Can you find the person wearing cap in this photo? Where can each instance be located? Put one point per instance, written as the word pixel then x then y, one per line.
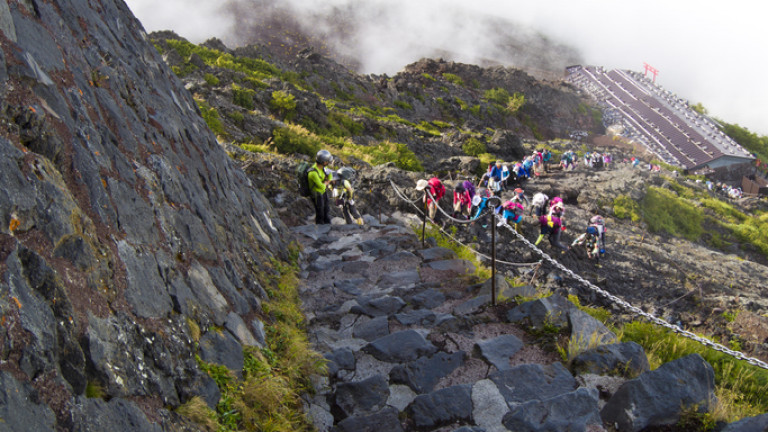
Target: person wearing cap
pixel 344 194
pixel 436 189
pixel 520 197
pixel 319 178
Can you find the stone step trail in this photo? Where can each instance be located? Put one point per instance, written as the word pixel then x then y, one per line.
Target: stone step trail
pixel 412 345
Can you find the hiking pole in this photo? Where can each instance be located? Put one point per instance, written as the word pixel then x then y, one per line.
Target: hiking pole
pixel 493 261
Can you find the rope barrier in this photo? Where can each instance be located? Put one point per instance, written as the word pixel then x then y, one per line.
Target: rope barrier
pixel 616 300
pixel 402 196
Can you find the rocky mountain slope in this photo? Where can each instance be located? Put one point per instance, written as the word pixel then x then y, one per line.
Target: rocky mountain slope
pixel 123 226
pixel 138 261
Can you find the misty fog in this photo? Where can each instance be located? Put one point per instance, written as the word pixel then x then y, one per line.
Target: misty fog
pixel 706 51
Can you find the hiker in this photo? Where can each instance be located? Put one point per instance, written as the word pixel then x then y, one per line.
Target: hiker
pixel 462 202
pixel 319 179
pixel 345 195
pixel 539 203
pixel 481 201
pixel 592 242
pixel 550 226
pixel 547 156
pixel 520 197
pixel 506 175
pixel 435 187
pixel 470 188
pixel 598 222
pixel 512 212
pixel 493 176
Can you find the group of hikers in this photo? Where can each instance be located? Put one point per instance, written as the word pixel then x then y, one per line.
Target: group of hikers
pixel 470 202
pixel 475 202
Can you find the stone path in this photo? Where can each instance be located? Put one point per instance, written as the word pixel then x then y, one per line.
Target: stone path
pixel 412 346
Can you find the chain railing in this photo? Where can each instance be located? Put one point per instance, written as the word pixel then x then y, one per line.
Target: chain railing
pixel 614 299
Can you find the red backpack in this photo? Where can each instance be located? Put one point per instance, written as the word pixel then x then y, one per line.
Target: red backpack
pixel 437 187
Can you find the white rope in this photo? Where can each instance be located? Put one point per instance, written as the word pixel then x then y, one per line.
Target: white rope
pixel 717 347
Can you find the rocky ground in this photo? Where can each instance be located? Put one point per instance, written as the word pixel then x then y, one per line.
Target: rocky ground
pixel 414 344
pixel 684 282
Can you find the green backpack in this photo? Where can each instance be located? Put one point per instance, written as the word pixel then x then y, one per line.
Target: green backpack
pixel 302 177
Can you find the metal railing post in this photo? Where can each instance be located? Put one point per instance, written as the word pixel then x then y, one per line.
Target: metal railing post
pixel 424 225
pixel 493 259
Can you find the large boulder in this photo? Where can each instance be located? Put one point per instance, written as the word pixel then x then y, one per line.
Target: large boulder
pixel 361 397
pixel 572 411
pixel 533 382
pixel 625 359
pixel 657 398
pixel 421 375
pixel 402 346
pixel 441 407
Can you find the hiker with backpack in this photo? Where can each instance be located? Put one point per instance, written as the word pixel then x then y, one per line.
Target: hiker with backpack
pixel 317 181
pixel 344 194
pixel 591 239
pixel 551 226
pixel 435 187
pixel 462 201
pixel 539 203
pixel 598 222
pixel 512 212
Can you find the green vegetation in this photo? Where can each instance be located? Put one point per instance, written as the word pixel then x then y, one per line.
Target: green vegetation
pixel 502 100
pixel 210 79
pixel 455 79
pixel 473 147
pixel 403 105
pixel 665 211
pixel 211 117
pixel 283 102
pixel 297 139
pixel 267 397
pixel 757 144
pixel 243 97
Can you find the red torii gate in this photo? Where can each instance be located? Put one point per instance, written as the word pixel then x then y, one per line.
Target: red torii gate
pixel 651 69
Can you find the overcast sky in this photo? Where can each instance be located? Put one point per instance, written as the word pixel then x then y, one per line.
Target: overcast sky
pixel 706 51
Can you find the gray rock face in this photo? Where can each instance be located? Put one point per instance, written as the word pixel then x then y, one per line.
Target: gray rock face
pixel 459 266
pixel 587 332
pixel 530 382
pixel 421 375
pixel 223 349
pixel 117 414
pixel 379 306
pixel 553 309
pixel 572 411
pixel 442 406
pixel 402 346
pixel 497 351
pixel 626 359
pixel 655 398
pixel 17 410
pixel 361 397
pixel 750 424
pixel 372 329
pixel 384 420
pixel 436 254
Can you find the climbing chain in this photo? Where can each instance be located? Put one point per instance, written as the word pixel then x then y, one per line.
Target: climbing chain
pixel 402 196
pixel 715 346
pixel 616 300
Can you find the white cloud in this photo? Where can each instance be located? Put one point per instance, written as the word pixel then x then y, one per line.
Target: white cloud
pixel 707 51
